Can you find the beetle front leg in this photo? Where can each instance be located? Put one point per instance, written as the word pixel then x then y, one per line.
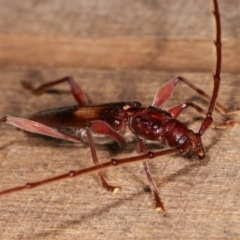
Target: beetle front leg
pixel 141 149
pixel 177 110
pixel 77 92
pixel 154 189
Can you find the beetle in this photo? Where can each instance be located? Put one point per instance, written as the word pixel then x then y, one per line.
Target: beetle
pixel 124 122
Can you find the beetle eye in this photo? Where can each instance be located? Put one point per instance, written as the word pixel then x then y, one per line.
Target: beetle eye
pixel 182 140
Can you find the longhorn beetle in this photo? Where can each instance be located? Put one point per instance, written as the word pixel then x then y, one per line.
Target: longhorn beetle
pixel 124 122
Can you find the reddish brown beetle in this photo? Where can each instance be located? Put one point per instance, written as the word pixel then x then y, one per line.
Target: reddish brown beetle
pixel 124 122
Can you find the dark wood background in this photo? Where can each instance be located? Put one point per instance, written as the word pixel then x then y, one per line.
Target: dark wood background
pixel 117 51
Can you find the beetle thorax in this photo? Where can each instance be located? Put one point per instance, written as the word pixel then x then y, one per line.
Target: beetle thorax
pixel 158 125
pixel 149 123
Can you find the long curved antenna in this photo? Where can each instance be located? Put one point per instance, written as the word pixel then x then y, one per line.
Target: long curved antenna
pixel 95 168
pixel 216 75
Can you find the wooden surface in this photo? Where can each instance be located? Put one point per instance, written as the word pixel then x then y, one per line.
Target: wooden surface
pixel 46 40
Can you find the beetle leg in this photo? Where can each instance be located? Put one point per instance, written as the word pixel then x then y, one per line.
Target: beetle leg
pixel 101 127
pixel 226 124
pixel 154 189
pixel 176 111
pixel 35 127
pixel 141 149
pixel 77 92
pixel 166 91
pixel 96 162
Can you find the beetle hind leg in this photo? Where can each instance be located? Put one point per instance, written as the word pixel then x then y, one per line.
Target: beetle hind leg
pixel 77 92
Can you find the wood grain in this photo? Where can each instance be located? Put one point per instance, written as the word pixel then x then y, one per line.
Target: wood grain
pixel 46 40
pixel 116 53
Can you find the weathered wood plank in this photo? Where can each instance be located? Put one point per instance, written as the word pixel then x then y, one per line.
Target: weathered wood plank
pixel 117 53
